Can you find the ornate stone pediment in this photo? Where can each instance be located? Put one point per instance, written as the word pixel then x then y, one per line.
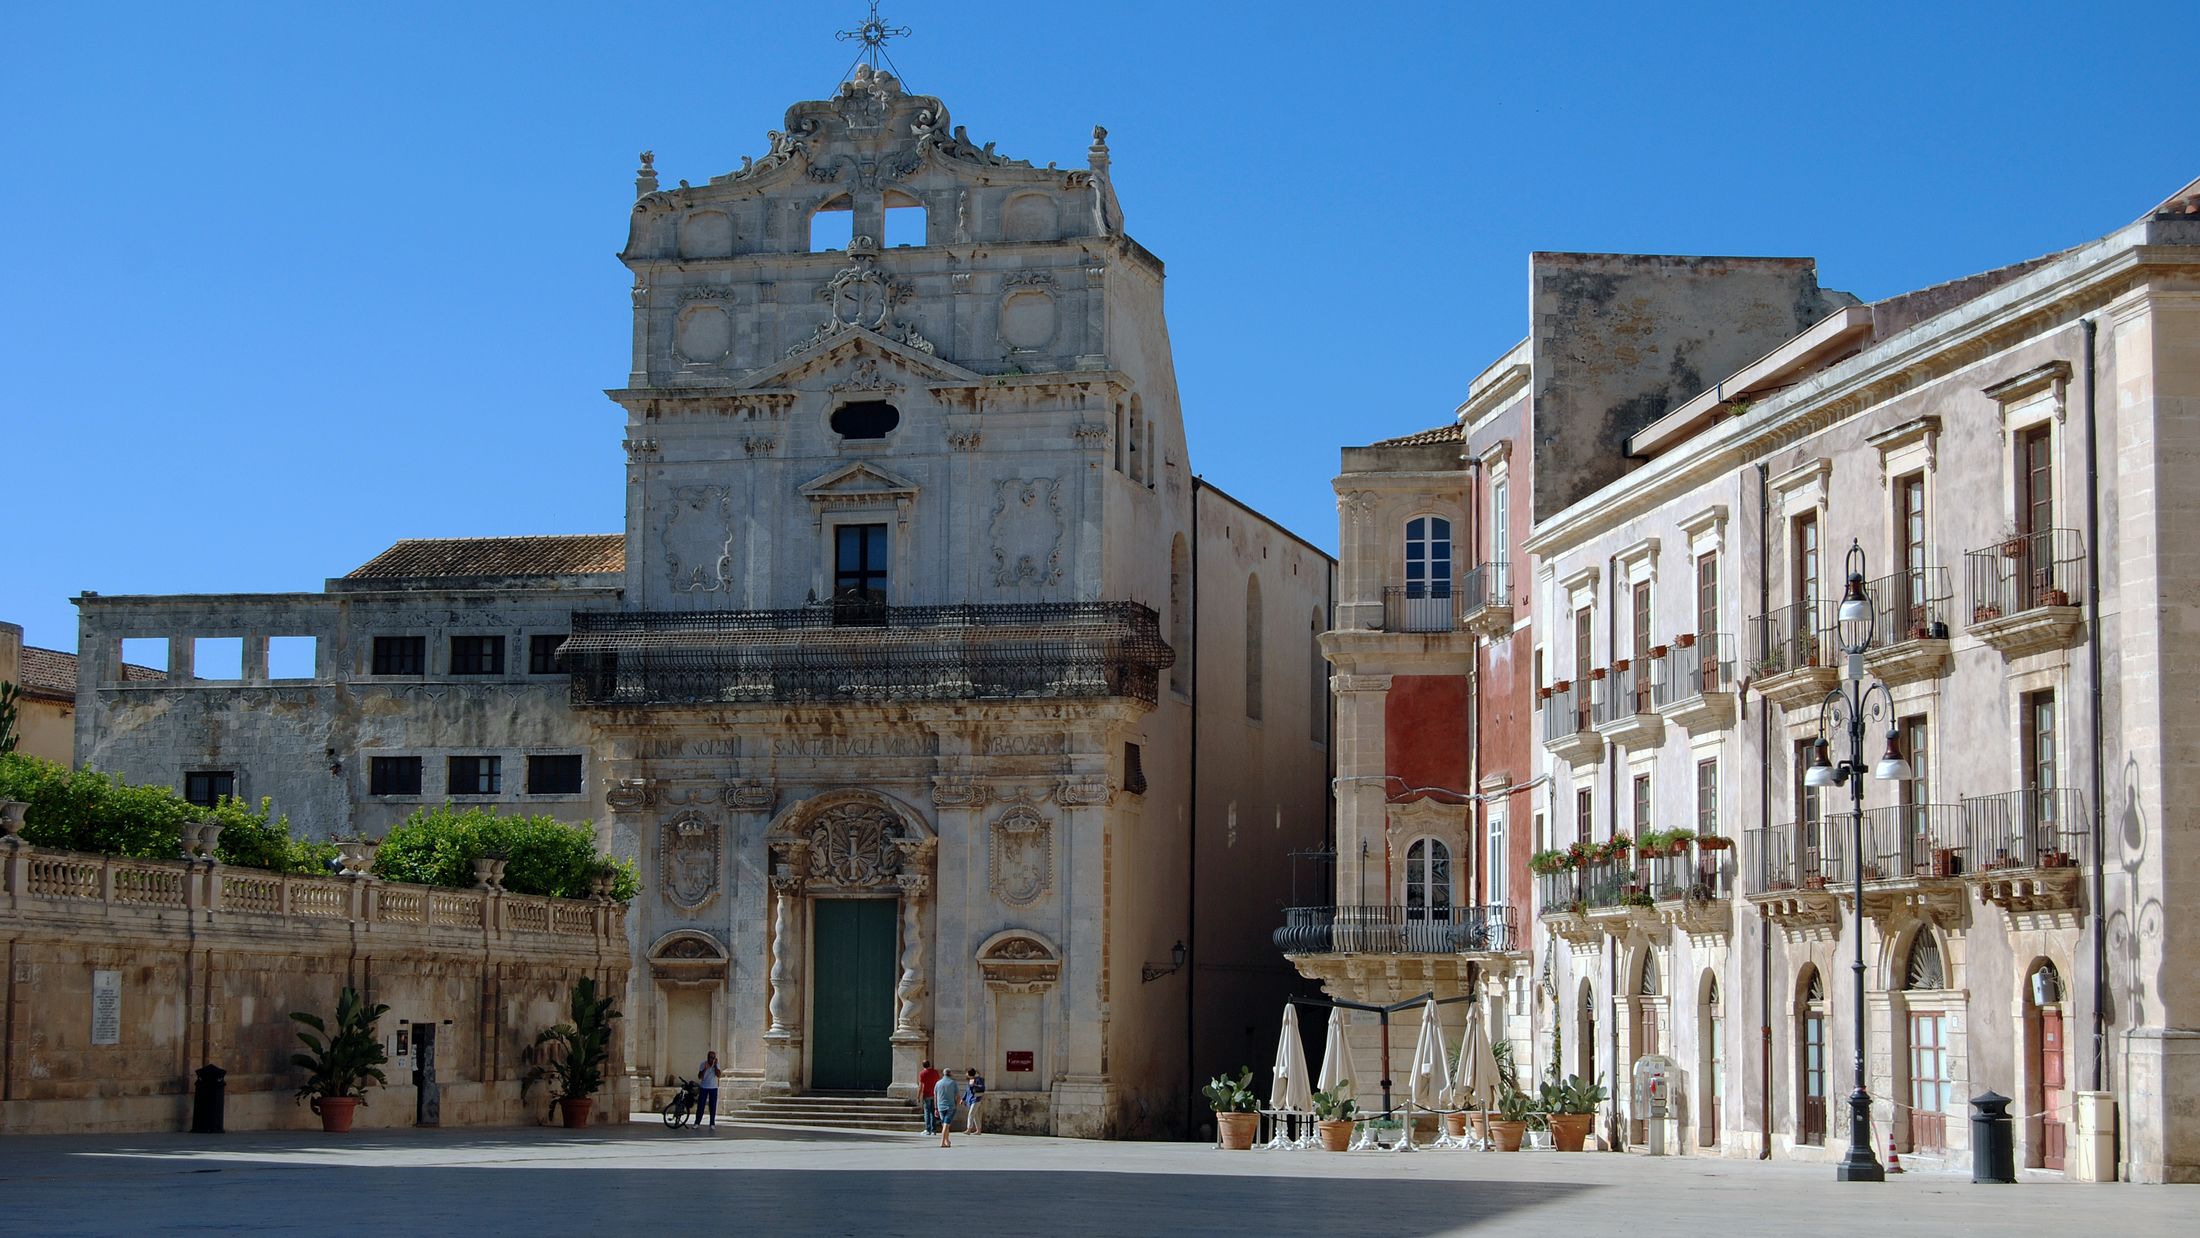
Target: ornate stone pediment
pixel 849 840
pixel 860 485
pixel 1019 959
pixel 687 955
pixel 840 348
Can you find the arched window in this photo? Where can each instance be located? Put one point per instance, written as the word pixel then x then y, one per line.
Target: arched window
pixel 1180 612
pixel 1810 1054
pixel 1711 1061
pixel 1428 557
pixel 1253 651
pixel 1648 984
pixel 1923 969
pixel 833 227
pixel 1428 880
pixel 1585 1054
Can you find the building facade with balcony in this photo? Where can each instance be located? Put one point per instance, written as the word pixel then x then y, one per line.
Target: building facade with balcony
pixel 947 714
pixel 2008 454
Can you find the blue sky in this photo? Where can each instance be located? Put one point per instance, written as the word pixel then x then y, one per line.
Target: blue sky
pixel 282 284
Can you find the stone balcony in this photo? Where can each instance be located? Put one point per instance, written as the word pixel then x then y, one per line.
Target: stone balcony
pixel 1569 730
pixel 1696 689
pixel 2024 592
pixel 2027 848
pixel 1791 655
pixel 1488 607
pixel 1910 626
pixel 1625 716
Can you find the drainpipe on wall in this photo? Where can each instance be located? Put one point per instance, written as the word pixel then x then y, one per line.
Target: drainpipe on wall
pixel 1611 795
pixel 1764 814
pixel 2099 1077
pixel 1191 835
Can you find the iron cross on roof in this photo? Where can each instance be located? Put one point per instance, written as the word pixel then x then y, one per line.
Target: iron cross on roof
pixel 873 34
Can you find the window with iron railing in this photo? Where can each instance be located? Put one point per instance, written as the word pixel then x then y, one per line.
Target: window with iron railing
pixel 2025 572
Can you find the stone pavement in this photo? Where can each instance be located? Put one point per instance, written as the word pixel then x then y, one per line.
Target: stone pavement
pixel 646 1179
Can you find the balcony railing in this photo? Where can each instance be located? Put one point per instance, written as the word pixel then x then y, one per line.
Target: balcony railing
pixel 1691 873
pixel 1566 711
pixel 2025 572
pixel 905 653
pixel 1915 840
pixel 1626 692
pixel 1801 855
pixel 1910 605
pixel 1695 670
pixel 1608 883
pixel 1561 891
pixel 1397 930
pixel 1790 638
pixel 1436 606
pixel 2034 828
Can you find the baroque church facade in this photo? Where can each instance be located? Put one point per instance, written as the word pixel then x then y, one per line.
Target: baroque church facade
pixel 927 685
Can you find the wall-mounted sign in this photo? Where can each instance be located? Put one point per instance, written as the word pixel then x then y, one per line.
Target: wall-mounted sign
pixel 106 1008
pixel 1020 1060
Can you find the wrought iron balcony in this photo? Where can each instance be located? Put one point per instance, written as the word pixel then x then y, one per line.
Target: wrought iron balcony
pixel 1697 687
pixel 1915 841
pixel 1624 715
pixel 1569 731
pixel 1909 625
pixel 1803 855
pixel 1791 654
pixel 1397 930
pixel 1487 606
pixel 824 653
pixel 2025 853
pixel 2024 592
pixel 1424 606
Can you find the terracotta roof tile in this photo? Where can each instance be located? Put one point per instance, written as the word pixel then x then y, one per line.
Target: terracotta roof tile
pixel 418 558
pixel 52 673
pixel 1452 433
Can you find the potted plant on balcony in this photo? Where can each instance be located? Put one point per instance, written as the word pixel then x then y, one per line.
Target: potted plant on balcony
pixel 340 1064
pixel 1572 1107
pixel 1713 842
pixel 1237 1109
pixel 584 1048
pixel 1544 863
pixel 1563 685
pixel 1581 853
pixel 1659 651
pixel 1686 640
pixel 1596 674
pixel 1620 665
pixel 1333 1122
pixel 1543 694
pixel 1617 846
pixel 2012 543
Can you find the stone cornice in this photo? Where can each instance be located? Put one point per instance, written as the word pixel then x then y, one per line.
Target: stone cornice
pixel 1922 354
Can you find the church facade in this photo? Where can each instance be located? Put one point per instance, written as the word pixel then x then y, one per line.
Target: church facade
pixel 927 685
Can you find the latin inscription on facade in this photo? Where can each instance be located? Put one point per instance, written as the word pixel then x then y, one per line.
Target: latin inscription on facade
pixel 852 746
pixel 106 1007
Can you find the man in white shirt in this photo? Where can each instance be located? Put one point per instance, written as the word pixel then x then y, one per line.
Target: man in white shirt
pixel 706 1078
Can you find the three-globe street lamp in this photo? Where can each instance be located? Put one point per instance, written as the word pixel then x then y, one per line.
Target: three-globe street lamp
pixel 1848 711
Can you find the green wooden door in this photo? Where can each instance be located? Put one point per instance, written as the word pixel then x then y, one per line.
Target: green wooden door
pixel 852 1019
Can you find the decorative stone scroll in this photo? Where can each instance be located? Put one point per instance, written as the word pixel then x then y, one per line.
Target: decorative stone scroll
pixel 630 795
pixel 1019 959
pixel 1086 789
pixel 1023 856
pixel 691 855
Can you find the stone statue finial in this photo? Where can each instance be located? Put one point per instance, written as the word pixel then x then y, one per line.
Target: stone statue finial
pixel 1096 155
pixel 645 177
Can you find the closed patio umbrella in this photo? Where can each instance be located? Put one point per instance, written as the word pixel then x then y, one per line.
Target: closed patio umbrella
pixel 1428 1083
pixel 1293 1089
pixel 1338 1072
pixel 1476 1086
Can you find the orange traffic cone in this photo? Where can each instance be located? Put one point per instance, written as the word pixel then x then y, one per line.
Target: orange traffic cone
pixel 1894 1161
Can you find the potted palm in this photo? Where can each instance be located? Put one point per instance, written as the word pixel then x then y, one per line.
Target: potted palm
pixel 1333 1112
pixel 583 1049
pixel 1572 1106
pixel 340 1064
pixel 1237 1109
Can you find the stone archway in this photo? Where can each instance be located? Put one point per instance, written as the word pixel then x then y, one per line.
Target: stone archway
pixel 688 973
pixel 848 844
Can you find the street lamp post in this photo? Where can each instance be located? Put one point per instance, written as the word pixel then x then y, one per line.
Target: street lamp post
pixel 1848 711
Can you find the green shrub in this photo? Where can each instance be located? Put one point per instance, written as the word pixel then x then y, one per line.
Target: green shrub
pixel 438 846
pixel 85 810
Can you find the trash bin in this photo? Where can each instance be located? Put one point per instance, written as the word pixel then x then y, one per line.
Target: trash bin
pixel 1993 1139
pixel 208 1097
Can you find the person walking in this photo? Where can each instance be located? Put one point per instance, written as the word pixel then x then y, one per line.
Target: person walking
pixel 706 1078
pixel 973 1092
pixel 927 1079
pixel 944 1094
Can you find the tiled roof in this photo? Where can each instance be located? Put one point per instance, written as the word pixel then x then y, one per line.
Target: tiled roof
pixel 432 557
pixel 52 673
pixel 1452 433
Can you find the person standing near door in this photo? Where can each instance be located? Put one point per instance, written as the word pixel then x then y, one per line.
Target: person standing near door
pixel 706 1078
pixel 927 1079
pixel 973 1092
pixel 943 1097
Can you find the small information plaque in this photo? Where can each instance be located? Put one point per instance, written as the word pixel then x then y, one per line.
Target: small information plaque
pixel 1019 1059
pixel 106 1008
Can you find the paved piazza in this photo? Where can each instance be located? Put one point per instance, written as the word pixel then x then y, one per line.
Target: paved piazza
pixel 646 1179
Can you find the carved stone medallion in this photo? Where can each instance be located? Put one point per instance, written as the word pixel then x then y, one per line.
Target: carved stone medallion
pixel 853 845
pixel 1027 532
pixel 1023 856
pixel 690 851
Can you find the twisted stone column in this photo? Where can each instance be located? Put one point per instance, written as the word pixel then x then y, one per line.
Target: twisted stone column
pixel 910 992
pixel 786 888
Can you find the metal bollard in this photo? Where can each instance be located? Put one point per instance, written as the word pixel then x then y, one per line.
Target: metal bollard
pixel 208 1098
pixel 1993 1139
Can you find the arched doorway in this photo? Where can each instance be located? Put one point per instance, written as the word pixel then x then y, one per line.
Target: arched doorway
pixel 688 973
pixel 1810 1057
pixel 1924 971
pixel 1585 1047
pixel 2046 1053
pixel 1710 1060
pixel 1644 1014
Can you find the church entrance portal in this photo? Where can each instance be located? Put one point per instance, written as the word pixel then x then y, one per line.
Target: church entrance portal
pixel 853 1016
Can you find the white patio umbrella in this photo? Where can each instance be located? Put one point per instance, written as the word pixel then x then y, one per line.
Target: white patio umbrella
pixel 1293 1089
pixel 1338 1072
pixel 1476 1086
pixel 1428 1080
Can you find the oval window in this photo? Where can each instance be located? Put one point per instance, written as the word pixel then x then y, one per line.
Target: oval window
pixel 865 419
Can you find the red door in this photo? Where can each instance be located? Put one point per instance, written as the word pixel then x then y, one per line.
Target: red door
pixel 2050 1075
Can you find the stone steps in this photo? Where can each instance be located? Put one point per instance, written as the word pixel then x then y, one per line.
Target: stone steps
pixel 843 1111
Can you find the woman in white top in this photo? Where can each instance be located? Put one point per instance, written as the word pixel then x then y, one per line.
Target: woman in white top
pixel 706 1078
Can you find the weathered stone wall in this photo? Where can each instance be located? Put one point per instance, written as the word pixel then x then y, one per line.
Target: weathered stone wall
pixel 211 961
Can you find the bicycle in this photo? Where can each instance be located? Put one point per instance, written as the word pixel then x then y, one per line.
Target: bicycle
pixel 680 1110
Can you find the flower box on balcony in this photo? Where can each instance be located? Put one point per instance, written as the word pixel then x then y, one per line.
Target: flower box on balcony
pixel 2055 859
pixel 1686 640
pixel 1563 685
pixel 1658 651
pixel 1597 675
pixel 1621 665
pixel 1713 842
pixel 1981 614
pixel 2054 597
pixel 1543 694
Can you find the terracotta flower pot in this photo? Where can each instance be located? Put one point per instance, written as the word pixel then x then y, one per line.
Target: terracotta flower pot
pixel 336 1112
pixel 1455 1125
pixel 1686 640
pixel 1238 1130
pixel 1569 1131
pixel 574 1110
pixel 1335 1135
pixel 1508 1134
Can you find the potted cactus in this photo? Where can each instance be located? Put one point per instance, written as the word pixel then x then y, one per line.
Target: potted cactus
pixel 1237 1109
pixel 1514 1108
pixel 1572 1106
pixel 340 1063
pixel 1333 1120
